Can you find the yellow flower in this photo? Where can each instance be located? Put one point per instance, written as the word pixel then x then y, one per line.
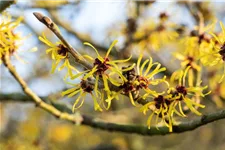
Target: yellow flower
pixel 83 88
pixel 110 96
pixel 9 40
pixel 59 53
pixel 215 53
pixel 146 75
pixel 164 105
pixel 103 65
pixel 161 107
pixel 188 60
pixel 188 51
pixel 141 80
pixel 187 94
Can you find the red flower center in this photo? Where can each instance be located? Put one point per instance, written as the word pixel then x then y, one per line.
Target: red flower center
pixel 181 89
pixel 86 87
pixel 143 82
pixel 160 101
pixel 63 50
pixel 222 52
pixel 101 66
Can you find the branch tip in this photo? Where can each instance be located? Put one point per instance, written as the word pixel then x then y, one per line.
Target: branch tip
pixel 45 20
pixel 38 15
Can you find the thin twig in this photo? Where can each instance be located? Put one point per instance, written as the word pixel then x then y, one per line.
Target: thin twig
pixel 39 102
pixel 5 4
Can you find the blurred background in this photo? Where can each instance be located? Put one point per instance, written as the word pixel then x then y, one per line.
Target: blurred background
pixel 24 126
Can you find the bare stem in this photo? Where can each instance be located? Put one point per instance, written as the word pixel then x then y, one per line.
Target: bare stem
pixel 5 4
pixel 39 102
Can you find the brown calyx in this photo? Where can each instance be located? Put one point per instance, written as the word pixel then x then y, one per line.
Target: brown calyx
pixel 101 66
pixel 62 50
pixel 86 87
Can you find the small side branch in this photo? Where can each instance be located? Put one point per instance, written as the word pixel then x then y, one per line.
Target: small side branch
pixel 39 102
pixel 5 4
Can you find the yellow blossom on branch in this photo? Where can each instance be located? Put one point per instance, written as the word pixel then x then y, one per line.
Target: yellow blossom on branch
pixel 82 89
pixel 59 54
pixel 161 107
pixel 164 105
pixel 103 68
pixel 146 75
pixel 142 79
pixel 9 39
pixel 215 53
pixel 184 93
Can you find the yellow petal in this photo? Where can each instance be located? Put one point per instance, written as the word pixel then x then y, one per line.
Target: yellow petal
pixel 143 65
pixel 114 82
pixel 99 57
pixel 105 82
pixel 150 64
pixel 77 75
pixel 149 120
pixel 110 48
pixel 74 93
pixel 77 101
pixel 128 68
pixel 68 91
pixel 138 63
pixel 131 99
pixel 90 73
pixel 96 105
pixel 123 60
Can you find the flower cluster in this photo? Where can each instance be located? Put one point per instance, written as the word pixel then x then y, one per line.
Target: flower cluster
pixel 201 55
pixel 164 105
pixel 142 79
pixel 108 79
pixel 214 54
pixel 203 50
pixel 83 88
pixel 105 74
pixel 9 39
